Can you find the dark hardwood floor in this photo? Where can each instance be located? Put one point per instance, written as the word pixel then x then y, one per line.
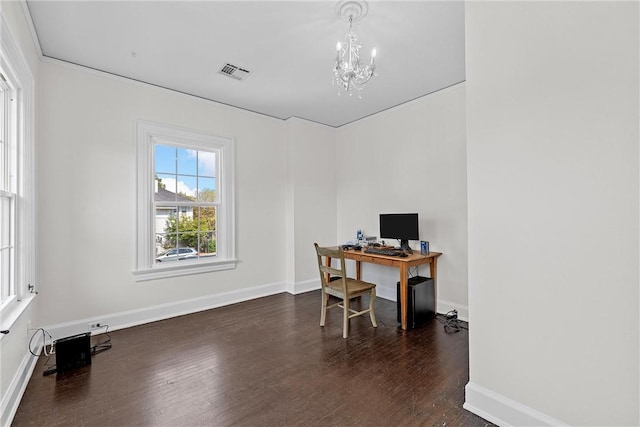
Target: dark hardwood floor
pixel 264 362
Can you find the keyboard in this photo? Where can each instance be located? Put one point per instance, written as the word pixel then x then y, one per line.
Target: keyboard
pixel 387 252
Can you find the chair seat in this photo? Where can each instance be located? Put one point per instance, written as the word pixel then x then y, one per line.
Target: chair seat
pixel 354 286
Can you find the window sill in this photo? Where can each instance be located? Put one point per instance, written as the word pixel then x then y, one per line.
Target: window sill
pixel 182 269
pixel 11 311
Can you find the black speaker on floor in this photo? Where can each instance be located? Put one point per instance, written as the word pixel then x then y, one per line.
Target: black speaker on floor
pixel 421 306
pixel 73 352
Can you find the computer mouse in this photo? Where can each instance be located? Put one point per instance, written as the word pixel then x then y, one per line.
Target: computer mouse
pixel 403 255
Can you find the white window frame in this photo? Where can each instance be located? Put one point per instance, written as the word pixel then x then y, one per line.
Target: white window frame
pixel 148 134
pixel 7 191
pixel 20 179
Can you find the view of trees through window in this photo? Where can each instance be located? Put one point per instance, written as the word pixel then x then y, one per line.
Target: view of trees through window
pixel 185 203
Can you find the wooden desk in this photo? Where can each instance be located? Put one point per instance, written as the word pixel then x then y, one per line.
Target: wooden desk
pixel 403 264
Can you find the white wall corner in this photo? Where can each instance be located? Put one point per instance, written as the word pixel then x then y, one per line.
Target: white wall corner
pixel 503 411
pixel 305 286
pixel 11 400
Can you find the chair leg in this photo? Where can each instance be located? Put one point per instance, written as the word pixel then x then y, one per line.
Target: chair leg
pixel 345 324
pixel 323 314
pixel 372 303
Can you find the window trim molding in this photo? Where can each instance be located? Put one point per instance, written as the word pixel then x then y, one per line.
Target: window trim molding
pixel 146 134
pixel 17 71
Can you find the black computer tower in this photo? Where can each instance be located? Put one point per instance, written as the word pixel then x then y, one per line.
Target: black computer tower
pixel 421 306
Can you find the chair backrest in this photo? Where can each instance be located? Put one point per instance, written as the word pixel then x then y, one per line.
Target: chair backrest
pixel 334 253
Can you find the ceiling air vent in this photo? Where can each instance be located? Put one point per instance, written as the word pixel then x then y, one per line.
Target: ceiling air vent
pixel 234 72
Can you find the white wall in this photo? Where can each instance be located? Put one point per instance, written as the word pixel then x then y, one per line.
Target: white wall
pixel 86 162
pixel 410 159
pixel 311 199
pixel 552 114
pixel 16 363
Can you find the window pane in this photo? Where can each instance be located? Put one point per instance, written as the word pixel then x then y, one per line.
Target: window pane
pixel 5 273
pixel 6 247
pixel 186 241
pixel 187 161
pixel 165 188
pixel 159 244
pixel 186 187
pixel 206 189
pixel 165 228
pixel 3 135
pixel 165 219
pixel 186 222
pixel 165 159
pixel 207 244
pixel 206 218
pixel 186 233
pixel 206 164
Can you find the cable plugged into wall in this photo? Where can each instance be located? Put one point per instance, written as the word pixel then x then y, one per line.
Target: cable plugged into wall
pixel 95 325
pixel 104 345
pixel 47 347
pixel 451 322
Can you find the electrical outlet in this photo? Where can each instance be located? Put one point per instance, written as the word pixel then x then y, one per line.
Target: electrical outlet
pixel 95 325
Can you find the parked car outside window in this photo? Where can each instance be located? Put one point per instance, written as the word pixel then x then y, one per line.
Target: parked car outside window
pixel 177 254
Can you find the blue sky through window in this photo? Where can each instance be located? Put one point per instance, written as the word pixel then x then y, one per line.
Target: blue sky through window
pixel 185 170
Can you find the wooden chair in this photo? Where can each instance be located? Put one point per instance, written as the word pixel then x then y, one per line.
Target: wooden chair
pixel 336 283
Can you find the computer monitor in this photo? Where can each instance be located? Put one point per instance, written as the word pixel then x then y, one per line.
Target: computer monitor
pixel 401 226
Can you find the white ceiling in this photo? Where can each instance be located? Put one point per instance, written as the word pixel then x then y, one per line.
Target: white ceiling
pixel 289 47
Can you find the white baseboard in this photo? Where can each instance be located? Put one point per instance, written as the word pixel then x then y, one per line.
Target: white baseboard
pixel 446 306
pixel 126 319
pixel 306 286
pixel 11 399
pixel 503 411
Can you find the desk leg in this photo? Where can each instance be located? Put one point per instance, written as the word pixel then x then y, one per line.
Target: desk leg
pixel 358 271
pixel 433 270
pixel 404 294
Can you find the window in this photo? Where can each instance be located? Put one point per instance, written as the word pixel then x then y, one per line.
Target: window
pixel 185 202
pixel 7 191
pixel 17 222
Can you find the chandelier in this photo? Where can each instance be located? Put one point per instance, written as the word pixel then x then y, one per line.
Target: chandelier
pixel 348 71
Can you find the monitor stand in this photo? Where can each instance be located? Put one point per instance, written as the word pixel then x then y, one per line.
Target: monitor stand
pixel 404 245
